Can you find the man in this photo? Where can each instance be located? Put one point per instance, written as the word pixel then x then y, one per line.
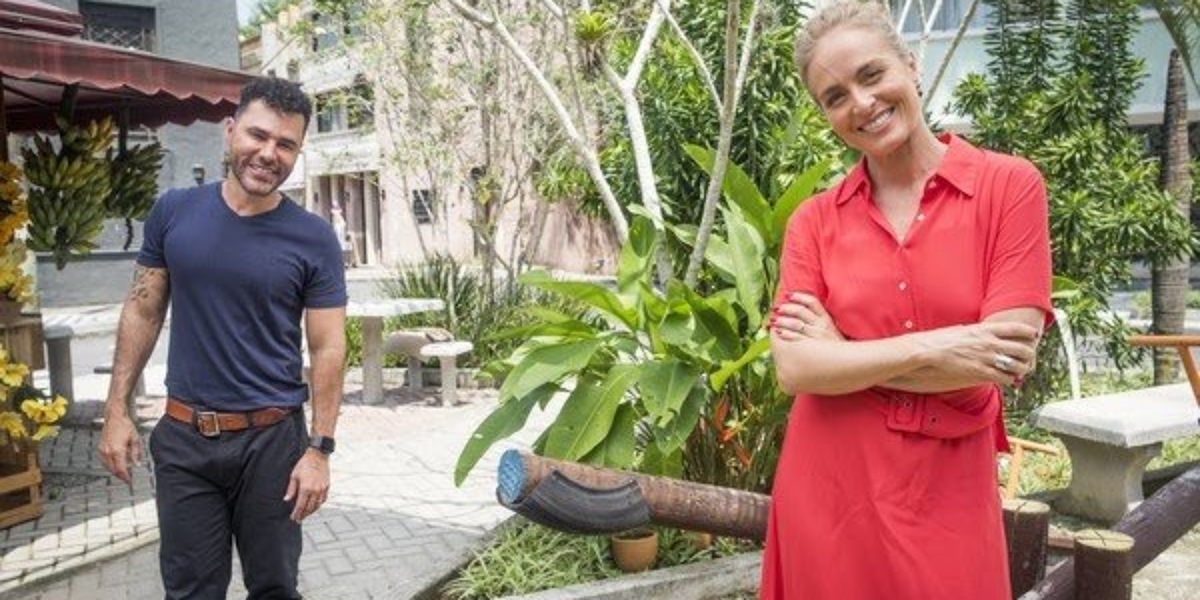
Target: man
pixel 240 264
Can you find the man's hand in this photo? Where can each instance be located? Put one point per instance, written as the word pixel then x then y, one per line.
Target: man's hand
pixel 119 446
pixel 309 485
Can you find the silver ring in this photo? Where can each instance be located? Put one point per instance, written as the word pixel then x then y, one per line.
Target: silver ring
pixel 1004 362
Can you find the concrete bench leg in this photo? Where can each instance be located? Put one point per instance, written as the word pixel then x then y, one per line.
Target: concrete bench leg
pixel 449 366
pixel 415 379
pixel 1106 481
pixel 58 361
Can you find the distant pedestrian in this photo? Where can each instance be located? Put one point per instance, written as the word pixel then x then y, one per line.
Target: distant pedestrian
pixel 240 265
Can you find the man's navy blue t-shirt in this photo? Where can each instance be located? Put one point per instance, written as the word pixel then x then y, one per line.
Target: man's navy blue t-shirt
pixel 239 287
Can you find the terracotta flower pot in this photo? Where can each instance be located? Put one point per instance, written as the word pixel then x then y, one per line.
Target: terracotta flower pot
pixel 635 550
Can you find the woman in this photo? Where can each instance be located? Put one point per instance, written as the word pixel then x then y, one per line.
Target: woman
pixel 908 292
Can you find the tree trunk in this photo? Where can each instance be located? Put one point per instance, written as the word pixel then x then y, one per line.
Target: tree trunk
pixel 1169 280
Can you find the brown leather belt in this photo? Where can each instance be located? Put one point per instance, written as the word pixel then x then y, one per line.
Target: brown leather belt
pixel 211 424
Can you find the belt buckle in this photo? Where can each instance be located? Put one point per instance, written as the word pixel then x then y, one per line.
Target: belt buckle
pixel 207 423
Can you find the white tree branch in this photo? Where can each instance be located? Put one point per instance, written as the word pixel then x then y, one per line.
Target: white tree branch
pixel 958 37
pixel 646 45
pixel 735 76
pixel 697 59
pixel 585 153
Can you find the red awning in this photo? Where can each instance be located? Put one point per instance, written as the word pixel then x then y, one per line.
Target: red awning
pixel 34 67
pixel 31 14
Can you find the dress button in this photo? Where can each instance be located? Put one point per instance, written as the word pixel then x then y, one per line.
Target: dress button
pixel 908 324
pixel 903 285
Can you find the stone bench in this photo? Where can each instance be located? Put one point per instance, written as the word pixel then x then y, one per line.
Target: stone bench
pixel 1111 438
pixel 447 354
pixel 429 342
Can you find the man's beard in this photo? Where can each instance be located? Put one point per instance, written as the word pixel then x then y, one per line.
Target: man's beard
pixel 239 172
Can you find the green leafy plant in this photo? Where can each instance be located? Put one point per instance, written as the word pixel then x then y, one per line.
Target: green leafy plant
pixel 664 365
pixel 1058 85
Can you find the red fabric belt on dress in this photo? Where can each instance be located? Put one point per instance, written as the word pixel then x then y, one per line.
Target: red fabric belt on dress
pixel 944 416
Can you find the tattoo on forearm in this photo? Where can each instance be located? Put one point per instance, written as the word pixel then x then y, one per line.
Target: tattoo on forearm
pixel 146 284
pixel 140 288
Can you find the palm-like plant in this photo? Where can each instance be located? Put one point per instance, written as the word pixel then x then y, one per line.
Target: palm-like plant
pixel 1182 21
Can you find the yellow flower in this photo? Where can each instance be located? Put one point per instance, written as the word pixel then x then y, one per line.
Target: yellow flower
pixel 44 431
pixel 45 411
pixel 12 374
pixel 12 424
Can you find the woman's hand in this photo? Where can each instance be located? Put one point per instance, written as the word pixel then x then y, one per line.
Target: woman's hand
pixel 997 351
pixel 803 317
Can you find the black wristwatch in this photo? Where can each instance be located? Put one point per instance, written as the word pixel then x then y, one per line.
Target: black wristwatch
pixel 323 444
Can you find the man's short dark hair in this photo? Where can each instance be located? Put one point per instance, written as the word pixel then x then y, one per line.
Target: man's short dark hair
pixel 280 94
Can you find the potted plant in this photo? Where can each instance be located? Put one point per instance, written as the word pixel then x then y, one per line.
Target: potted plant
pixel 635 550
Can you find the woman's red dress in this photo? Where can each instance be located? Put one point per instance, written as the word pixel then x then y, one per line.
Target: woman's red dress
pixel 884 494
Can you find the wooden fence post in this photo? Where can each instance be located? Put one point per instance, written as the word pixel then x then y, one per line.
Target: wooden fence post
pixel 1103 565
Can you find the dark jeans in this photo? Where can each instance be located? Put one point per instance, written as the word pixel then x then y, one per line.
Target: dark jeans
pixel 212 492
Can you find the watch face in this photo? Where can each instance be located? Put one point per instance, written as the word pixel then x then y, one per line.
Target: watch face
pixel 322 443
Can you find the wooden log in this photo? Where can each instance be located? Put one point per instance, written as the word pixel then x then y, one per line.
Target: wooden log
pixel 671 502
pixel 1026 526
pixel 1103 565
pixel 1154 525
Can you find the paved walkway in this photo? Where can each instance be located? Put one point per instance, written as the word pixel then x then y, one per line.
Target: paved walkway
pixel 393 524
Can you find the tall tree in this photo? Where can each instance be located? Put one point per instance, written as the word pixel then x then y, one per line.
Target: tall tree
pixel 1169 280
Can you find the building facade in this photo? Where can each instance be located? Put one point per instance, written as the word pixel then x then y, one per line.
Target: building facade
pixel 397 210
pixel 1152 44
pixel 203 32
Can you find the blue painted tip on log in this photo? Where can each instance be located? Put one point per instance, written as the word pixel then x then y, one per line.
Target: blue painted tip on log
pixel 510 477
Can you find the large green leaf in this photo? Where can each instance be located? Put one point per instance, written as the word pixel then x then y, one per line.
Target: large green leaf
pixel 616 451
pixel 506 420
pixel 728 368
pixel 720 257
pixel 675 433
pixel 546 364
pixel 587 415
pixel 802 188
pixel 555 329
pixel 748 253
pixel 713 333
pixel 636 262
pixel 593 294
pixel 665 384
pixel 739 188
pixel 656 462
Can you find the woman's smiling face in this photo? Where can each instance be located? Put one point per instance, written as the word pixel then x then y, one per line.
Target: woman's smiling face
pixel 866 90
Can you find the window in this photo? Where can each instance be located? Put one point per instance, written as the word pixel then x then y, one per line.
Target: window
pixel 346 109
pixel 948 17
pixel 360 106
pixel 325 32
pixel 422 206
pixel 119 25
pixel 330 116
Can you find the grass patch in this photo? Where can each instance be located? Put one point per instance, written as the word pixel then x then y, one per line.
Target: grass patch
pixel 528 558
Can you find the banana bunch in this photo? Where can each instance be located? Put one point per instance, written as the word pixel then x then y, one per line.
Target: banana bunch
pixel 68 188
pixel 134 176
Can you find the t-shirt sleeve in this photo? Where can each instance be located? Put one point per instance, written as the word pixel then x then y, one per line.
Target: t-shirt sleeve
pixel 1019 271
pixel 153 234
pixel 326 285
pixel 800 259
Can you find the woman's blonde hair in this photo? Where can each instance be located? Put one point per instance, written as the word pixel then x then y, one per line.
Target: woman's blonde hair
pixel 869 14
